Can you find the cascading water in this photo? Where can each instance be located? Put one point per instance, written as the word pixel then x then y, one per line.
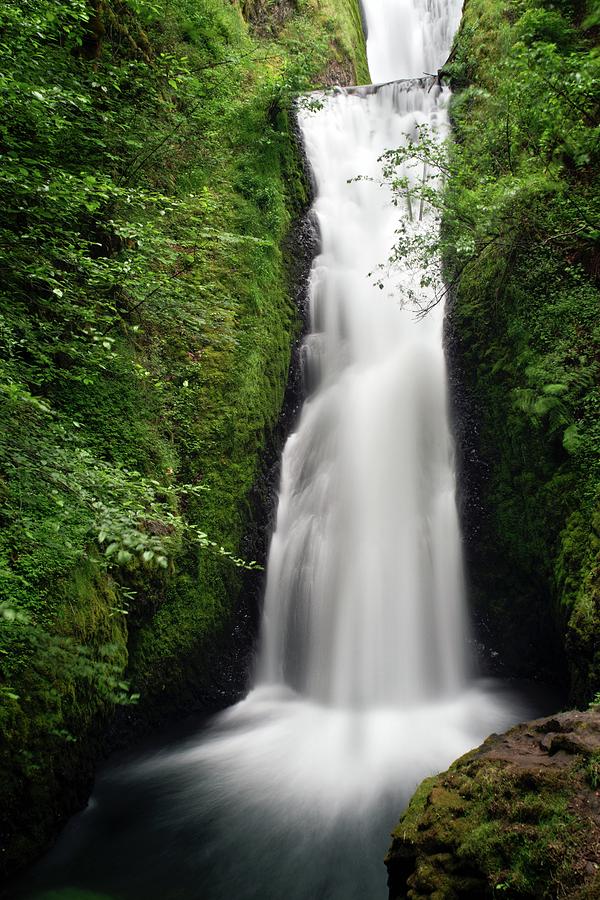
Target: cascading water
pixel 406 38
pixel 364 600
pixel 362 684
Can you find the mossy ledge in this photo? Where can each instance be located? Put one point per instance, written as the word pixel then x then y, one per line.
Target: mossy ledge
pixel 517 817
pixel 166 199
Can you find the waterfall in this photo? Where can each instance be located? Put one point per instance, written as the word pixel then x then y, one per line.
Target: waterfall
pixel 406 38
pixel 365 599
pixel 362 685
pixel 365 602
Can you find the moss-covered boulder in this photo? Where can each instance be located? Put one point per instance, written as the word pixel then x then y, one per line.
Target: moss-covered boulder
pixel 517 817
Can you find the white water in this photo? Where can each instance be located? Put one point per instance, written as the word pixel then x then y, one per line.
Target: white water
pixel 365 604
pixel 363 684
pixel 407 38
pixel 365 599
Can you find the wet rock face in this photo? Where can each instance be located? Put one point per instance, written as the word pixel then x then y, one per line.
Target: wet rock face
pixel 517 817
pixel 301 247
pixel 515 634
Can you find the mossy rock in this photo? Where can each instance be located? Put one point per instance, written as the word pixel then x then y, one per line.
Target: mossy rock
pixel 517 817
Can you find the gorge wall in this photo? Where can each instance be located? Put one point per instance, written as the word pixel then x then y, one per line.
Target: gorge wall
pixel 520 243
pixel 148 317
pixel 518 817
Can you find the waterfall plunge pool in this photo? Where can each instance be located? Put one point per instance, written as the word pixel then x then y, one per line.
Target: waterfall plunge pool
pixel 274 798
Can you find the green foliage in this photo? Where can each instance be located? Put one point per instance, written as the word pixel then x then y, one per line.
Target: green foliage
pixel 59 658
pixel 592 766
pixel 148 178
pixel 519 206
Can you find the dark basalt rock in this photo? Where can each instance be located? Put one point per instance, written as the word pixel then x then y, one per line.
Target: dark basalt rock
pixel 527 645
pixel 301 247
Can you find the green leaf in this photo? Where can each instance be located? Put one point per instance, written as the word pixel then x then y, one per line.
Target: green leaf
pixel 571 439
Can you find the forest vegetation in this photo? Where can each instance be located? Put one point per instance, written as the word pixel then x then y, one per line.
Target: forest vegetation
pixel 149 180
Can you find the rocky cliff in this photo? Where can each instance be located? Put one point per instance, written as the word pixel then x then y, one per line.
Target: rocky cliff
pixel 153 188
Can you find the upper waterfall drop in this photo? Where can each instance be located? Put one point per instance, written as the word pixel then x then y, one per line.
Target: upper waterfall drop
pixel 407 38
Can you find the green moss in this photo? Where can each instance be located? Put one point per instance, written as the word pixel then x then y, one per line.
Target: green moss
pixel 525 320
pixel 484 828
pixel 159 361
pixel 51 725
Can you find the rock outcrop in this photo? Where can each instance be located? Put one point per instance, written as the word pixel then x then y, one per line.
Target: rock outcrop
pixel 517 817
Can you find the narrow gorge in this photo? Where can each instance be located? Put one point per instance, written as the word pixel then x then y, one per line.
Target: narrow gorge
pixel 363 682
pixel 431 564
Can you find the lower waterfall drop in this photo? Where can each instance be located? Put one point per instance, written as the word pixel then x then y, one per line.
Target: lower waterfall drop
pixel 365 601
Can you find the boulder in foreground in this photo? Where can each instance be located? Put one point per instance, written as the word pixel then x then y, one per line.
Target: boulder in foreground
pixel 517 817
